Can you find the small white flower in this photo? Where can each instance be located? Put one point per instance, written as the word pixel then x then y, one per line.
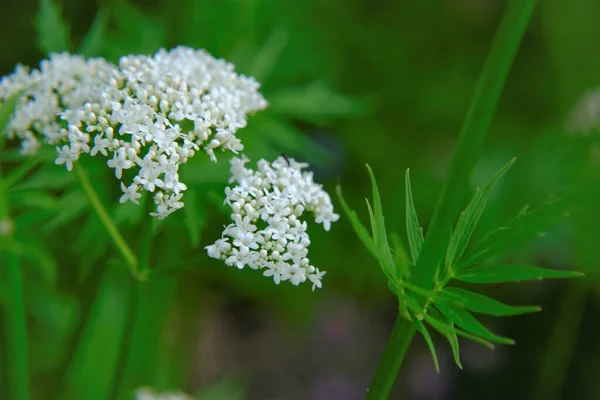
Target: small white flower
pixel 267 231
pixel 130 194
pixel 119 162
pixel 315 278
pixel 135 114
pixel 66 155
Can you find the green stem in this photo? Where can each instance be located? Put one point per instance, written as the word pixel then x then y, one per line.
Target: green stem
pixel 562 342
pixel 392 359
pixel 466 154
pixel 138 312
pixel 108 223
pixel 471 137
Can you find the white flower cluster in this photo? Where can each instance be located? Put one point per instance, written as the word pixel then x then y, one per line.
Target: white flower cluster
pixel 149 394
pixel 267 232
pixel 149 114
pixel 585 115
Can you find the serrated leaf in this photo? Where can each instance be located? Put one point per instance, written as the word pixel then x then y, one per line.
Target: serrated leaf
pixel 379 231
pixel 401 259
pixel 359 228
pixel 469 218
pixel 91 45
pixel 413 229
pixel 421 328
pixel 481 304
pixel 522 228
pixel 511 273
pixel 52 28
pixel 469 323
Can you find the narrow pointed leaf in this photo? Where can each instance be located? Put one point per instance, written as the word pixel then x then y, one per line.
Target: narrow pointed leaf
pixel 400 256
pixel 481 304
pixel 421 328
pixel 511 273
pixel 469 218
pixel 52 28
pixel 524 227
pixel 379 231
pixel 413 229
pixel 359 228
pixel 453 340
pixel 446 329
pixel 91 45
pixel 469 323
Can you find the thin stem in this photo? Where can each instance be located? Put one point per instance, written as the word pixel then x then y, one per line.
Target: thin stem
pixel 562 342
pixel 108 223
pixel 393 357
pixel 466 154
pixel 16 331
pixel 134 332
pixel 471 137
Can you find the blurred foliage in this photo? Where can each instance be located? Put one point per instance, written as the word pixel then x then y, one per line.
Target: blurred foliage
pixel 349 82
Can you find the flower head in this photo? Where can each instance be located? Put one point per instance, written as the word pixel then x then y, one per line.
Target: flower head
pixel 149 114
pixel 267 231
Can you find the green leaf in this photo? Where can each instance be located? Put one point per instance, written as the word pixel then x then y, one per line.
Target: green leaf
pixel 481 304
pixel 52 28
pixel 91 45
pixel 359 228
pixel 7 108
pixel 194 216
pixel 266 59
pixel 453 340
pixel 467 222
pixel 379 231
pixel 421 328
pixel 511 273
pixel 72 207
pixel 525 226
pixel 315 103
pixel 469 323
pixel 401 259
pixel 413 229
pixel 446 330
pixel 284 136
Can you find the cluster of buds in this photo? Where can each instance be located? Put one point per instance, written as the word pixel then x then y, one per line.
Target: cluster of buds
pixel 267 232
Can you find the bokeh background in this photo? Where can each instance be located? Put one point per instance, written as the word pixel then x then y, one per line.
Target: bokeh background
pixel 349 82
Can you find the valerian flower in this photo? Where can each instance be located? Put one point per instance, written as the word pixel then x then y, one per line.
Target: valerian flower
pixel 267 232
pixel 149 114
